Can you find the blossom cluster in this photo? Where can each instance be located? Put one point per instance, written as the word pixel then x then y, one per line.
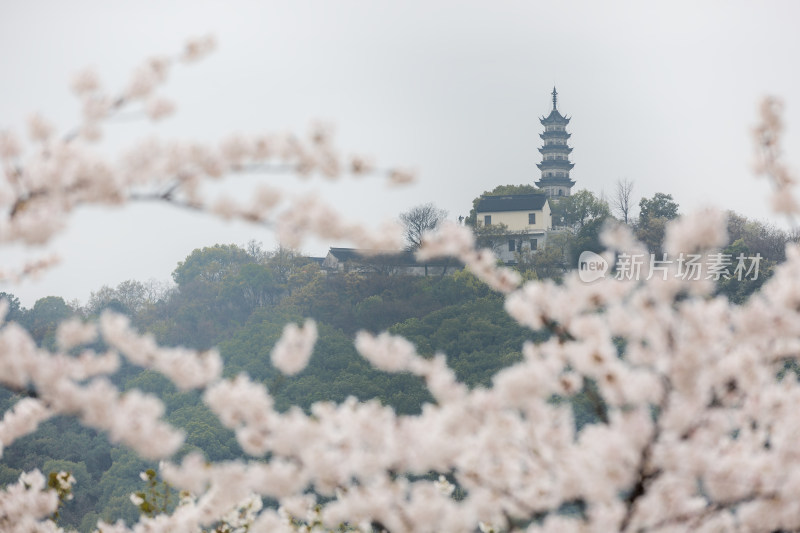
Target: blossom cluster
pixel 293 350
pixel 453 240
pixel 769 161
pixel 25 504
pixel 186 368
pixel 694 397
pixel 47 179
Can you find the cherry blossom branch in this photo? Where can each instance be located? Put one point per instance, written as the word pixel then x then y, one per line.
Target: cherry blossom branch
pixel 645 472
pixel 769 160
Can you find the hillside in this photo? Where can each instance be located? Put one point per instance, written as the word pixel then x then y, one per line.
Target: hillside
pixel 240 301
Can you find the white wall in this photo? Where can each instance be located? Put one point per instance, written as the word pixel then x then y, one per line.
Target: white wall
pixel 518 220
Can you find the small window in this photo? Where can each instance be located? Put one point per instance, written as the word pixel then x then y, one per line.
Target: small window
pixel 511 245
pixel 487 220
pixel 534 244
pixel 560 192
pixel 531 218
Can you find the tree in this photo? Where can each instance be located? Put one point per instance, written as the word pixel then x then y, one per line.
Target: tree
pixel 578 210
pixel 759 237
pixel 584 215
pixel 210 264
pixel 739 290
pixel 659 206
pixel 15 310
pixel 45 316
pixel 128 297
pixel 555 259
pixel 284 262
pixel 654 214
pixel 622 200
pixel 636 405
pixel 254 286
pixel 255 250
pixel 418 220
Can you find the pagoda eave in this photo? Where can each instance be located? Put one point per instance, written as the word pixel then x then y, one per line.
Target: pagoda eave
pixel 554 182
pixel 554 118
pixel 555 148
pixel 555 164
pixel 555 135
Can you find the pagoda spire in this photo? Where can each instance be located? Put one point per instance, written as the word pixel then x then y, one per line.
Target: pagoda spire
pixel 555 165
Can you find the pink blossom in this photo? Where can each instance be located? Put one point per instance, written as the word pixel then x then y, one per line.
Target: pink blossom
pixel 40 129
pixel 85 82
pixel 293 350
pixel 10 146
pixel 158 108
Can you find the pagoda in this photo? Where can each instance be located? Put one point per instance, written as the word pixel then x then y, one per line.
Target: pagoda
pixel 555 165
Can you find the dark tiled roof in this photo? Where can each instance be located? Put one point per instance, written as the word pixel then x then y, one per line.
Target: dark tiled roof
pixel 387 258
pixel 554 118
pixel 511 202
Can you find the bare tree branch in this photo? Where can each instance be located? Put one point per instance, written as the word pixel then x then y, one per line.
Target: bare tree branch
pixel 418 220
pixel 621 200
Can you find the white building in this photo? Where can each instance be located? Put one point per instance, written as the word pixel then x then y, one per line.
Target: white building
pixel 520 223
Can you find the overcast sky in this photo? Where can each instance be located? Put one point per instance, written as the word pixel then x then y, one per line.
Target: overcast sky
pixel 661 93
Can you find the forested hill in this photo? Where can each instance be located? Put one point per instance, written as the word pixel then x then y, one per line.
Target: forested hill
pixel 239 301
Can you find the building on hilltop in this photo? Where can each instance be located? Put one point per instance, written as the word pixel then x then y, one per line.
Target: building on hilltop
pixel 522 220
pixel 517 224
pixel 387 262
pixel 555 165
pixel 512 225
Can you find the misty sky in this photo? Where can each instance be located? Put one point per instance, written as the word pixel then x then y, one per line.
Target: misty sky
pixel 661 93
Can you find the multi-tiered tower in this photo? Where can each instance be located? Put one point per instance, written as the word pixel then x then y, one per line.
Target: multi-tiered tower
pixel 555 165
